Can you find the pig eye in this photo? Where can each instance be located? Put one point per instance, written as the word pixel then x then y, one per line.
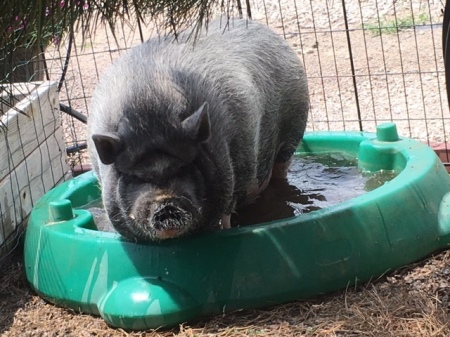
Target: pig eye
pixel 157 158
pixel 155 165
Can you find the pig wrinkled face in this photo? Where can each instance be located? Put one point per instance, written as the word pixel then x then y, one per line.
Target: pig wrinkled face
pixel 148 211
pixel 155 191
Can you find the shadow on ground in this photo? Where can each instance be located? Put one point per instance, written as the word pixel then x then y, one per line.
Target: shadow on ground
pixel 14 289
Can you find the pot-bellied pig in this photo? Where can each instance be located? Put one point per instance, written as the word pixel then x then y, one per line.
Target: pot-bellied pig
pixel 183 131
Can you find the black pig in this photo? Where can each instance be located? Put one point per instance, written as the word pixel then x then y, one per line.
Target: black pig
pixel 183 132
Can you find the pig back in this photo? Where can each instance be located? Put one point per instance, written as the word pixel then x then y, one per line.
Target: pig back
pixel 256 89
pixel 252 81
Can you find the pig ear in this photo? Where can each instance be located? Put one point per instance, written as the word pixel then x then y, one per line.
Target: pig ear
pixel 197 125
pixel 108 146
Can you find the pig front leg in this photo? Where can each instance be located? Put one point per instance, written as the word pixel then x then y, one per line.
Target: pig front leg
pixel 280 169
pixel 225 222
pixel 256 188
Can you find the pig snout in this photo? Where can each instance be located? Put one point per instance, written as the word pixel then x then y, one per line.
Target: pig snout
pixel 165 219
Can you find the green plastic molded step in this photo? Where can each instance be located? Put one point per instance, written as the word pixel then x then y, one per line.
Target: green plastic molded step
pixel 142 286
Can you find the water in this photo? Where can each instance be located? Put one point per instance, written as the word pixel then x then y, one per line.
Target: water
pixel 314 182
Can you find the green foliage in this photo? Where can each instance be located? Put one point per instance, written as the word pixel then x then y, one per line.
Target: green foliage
pixel 41 22
pixel 394 25
pixel 37 23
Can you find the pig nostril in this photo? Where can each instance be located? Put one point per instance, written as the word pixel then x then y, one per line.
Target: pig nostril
pixel 163 216
pixel 168 217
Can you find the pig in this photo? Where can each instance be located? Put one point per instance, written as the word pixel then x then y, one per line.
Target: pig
pixel 183 131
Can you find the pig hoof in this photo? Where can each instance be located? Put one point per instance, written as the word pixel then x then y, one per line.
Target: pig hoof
pixel 225 222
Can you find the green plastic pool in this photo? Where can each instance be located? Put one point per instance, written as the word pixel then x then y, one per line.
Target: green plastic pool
pixel 141 286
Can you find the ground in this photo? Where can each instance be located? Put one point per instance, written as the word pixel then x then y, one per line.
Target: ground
pixel 410 302
pixel 397 76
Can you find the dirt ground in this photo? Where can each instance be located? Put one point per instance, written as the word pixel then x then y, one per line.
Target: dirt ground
pixel 398 76
pixel 410 302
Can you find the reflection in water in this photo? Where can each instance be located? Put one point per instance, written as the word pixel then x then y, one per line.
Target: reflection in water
pixel 313 182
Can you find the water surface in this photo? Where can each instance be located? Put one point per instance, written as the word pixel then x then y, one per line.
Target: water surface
pixel 314 182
